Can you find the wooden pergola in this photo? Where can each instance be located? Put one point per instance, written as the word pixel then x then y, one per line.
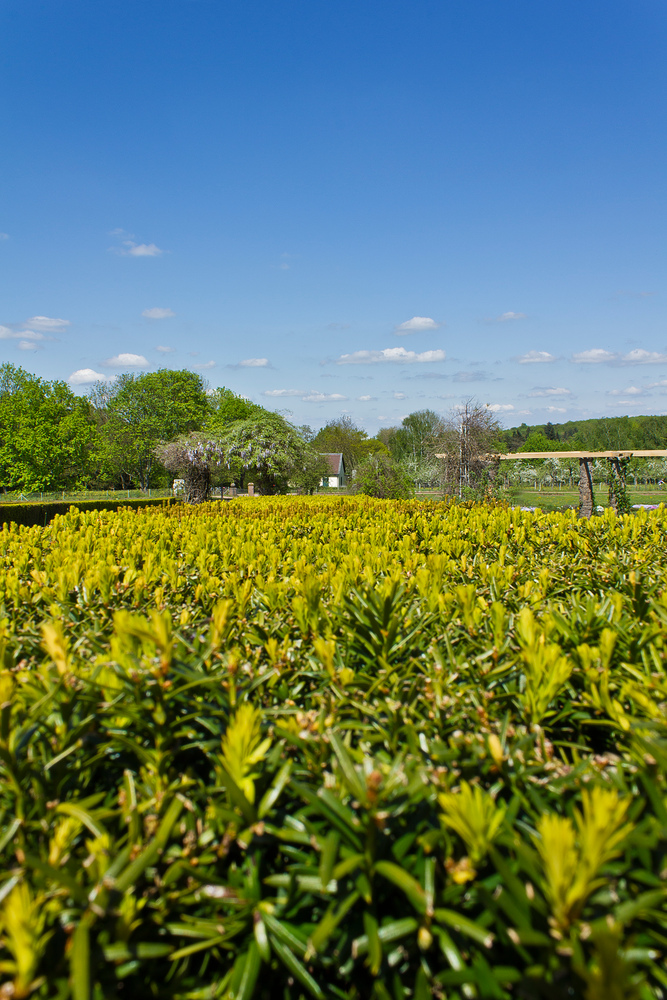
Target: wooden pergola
pixel 585 458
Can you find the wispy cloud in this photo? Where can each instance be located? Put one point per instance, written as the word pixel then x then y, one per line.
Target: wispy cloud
pixel 632 390
pixel 641 357
pixel 556 409
pixel 500 407
pixel 399 395
pixel 27 345
pixel 163 349
pixel 471 377
pixel 277 393
pixel 6 333
pixel 550 390
pixel 86 376
pixel 126 361
pixel 367 399
pixel 536 357
pixel 324 397
pixel 594 356
pixel 157 313
pixel 308 396
pixel 4 236
pixel 638 356
pixel 252 363
pixel 418 324
pixel 128 246
pixel 204 366
pixel 507 317
pixel 395 355
pixel 47 324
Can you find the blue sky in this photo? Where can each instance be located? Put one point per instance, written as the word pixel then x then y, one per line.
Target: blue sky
pixel 362 207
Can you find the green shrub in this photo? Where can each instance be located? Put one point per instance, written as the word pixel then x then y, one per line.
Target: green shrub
pixel 382 478
pixel 333 748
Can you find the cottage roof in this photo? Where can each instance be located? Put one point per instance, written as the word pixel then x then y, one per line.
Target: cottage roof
pixel 335 460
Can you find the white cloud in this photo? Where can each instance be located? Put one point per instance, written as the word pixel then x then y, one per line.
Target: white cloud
pixel 390 354
pixel 131 249
pixel 204 365
pixel 595 356
pixel 164 350
pixel 86 376
pixel 7 334
pixel 550 391
pixel 126 361
pixel 157 313
pixel 641 357
pixel 536 357
pixel 283 392
pixel 416 325
pixel 632 390
pixel 27 345
pixel 46 323
pixel 312 396
pixel 508 316
pixel 400 395
pixel 556 409
pixel 366 399
pixel 323 397
pixel 254 363
pixel 499 407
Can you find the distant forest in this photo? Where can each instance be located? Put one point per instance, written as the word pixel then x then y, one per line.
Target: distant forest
pixel 598 434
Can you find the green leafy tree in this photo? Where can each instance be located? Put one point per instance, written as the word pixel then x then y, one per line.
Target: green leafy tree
pixel 342 435
pixel 139 410
pixel 415 444
pixel 225 407
pixel 47 434
pixel 379 476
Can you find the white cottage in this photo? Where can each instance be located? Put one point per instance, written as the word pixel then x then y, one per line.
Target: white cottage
pixel 337 476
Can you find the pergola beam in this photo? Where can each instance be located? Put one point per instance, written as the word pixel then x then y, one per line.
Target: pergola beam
pixel 585 458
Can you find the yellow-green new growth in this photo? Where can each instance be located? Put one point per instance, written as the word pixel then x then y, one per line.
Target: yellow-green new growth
pixel 475 816
pixel 572 859
pixel 243 747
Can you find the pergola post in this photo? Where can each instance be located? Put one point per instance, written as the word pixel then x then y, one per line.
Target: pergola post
pixel 585 489
pixel 616 482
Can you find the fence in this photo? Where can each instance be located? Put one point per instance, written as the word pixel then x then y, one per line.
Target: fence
pixel 78 495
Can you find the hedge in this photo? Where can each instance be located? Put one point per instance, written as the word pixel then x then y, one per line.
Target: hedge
pixel 30 514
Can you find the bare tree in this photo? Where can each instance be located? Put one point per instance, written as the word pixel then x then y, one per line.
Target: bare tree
pixel 470 440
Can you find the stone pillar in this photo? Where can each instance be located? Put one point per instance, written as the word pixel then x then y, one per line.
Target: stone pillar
pixel 585 489
pixel 233 490
pixel 251 489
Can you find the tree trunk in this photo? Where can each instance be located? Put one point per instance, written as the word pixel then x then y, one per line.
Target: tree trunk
pixel 197 485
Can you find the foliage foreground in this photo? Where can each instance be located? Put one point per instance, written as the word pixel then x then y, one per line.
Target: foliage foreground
pixel 333 748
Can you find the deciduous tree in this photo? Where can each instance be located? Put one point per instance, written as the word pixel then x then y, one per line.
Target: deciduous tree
pixel 47 434
pixel 139 410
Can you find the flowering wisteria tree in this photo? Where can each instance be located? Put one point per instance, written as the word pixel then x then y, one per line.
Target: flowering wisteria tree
pixel 269 448
pixel 275 453
pixel 193 455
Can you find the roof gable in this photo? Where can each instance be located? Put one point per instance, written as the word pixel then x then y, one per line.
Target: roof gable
pixel 336 464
